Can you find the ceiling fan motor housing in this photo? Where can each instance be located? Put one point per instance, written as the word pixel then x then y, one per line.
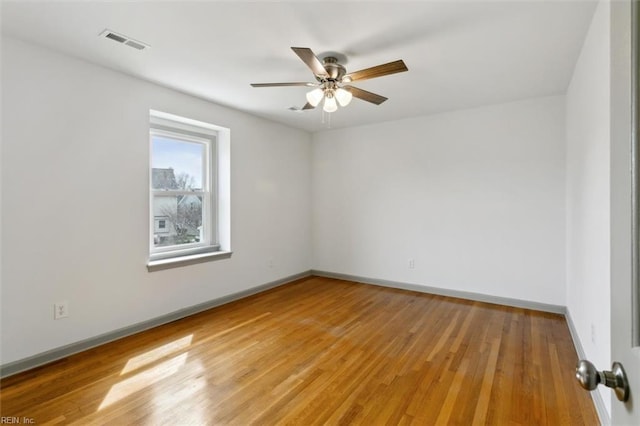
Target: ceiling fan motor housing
pixel 334 70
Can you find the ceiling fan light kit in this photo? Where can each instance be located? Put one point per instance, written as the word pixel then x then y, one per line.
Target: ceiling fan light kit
pixel 330 95
pixel 315 96
pixel 330 104
pixel 343 96
pixel 331 77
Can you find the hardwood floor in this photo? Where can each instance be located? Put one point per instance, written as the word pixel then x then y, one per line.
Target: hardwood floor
pixel 320 351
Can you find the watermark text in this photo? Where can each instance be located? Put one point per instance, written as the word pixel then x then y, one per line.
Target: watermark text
pixel 14 420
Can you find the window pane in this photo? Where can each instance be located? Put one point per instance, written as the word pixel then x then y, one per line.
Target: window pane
pixel 176 164
pixel 178 220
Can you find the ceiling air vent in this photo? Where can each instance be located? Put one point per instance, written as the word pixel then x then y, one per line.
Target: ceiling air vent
pixel 123 39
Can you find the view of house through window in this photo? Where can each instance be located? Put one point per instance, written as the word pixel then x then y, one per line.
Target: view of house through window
pixel 177 166
pixel 182 204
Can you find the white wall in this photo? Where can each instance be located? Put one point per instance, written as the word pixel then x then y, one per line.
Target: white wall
pixel 75 202
pixel 588 195
pixel 475 197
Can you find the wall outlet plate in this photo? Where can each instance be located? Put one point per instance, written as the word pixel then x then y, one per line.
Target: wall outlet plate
pixel 60 310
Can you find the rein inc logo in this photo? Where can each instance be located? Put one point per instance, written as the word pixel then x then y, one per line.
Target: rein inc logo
pixel 17 420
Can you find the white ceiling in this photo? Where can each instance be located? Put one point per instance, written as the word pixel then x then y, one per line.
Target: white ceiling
pixel 459 54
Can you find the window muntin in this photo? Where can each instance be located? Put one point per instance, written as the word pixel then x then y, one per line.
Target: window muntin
pixel 182 195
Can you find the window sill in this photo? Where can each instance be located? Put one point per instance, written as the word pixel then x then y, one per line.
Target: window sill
pixel 176 262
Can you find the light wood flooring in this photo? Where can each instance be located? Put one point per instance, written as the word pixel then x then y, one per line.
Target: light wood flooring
pixel 320 351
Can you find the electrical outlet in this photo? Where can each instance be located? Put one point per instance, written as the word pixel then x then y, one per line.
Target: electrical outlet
pixel 60 310
pixel 270 263
pixel 412 263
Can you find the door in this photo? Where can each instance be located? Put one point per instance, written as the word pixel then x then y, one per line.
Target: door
pixel 625 220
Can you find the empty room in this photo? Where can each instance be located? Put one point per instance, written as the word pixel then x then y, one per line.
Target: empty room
pixel 315 212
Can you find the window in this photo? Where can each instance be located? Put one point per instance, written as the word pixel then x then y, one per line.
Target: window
pixel 160 224
pixel 183 189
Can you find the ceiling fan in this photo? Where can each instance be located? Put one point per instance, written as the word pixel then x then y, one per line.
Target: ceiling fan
pixel 331 82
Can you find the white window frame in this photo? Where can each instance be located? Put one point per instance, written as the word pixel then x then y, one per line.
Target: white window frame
pixel 190 131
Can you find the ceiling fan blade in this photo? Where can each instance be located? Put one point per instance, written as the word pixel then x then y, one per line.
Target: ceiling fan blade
pixel 365 96
pixel 307 106
pixel 377 71
pixel 282 84
pixel 312 61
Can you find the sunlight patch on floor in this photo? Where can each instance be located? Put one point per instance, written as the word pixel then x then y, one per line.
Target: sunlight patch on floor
pixel 184 406
pixel 189 390
pixel 143 379
pixel 156 354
